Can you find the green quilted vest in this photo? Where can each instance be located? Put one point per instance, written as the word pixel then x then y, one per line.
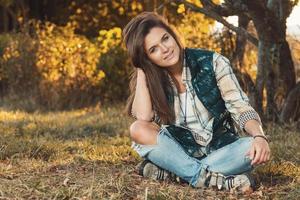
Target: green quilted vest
pixel 200 63
pixel 204 83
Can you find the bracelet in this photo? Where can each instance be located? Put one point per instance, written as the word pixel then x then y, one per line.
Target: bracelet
pixel 262 136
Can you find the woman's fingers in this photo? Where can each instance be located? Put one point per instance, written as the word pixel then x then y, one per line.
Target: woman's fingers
pixel 259 152
pixel 256 157
pixel 252 152
pixel 268 153
pixel 263 157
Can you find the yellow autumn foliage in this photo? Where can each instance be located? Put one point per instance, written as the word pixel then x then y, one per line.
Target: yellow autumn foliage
pixel 196 29
pixel 67 57
pixel 181 8
pixel 54 63
pixel 109 39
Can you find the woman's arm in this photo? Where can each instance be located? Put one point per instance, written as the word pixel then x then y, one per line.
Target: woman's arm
pixel 242 112
pixel 236 101
pixel 141 106
pixel 253 128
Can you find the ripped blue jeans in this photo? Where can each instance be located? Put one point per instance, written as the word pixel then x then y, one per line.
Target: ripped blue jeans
pixel 170 155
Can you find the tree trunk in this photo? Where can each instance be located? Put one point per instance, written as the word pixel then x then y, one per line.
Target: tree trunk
pixel 148 5
pixel 240 44
pixel 276 74
pixel 35 9
pixel 260 76
pixel 248 86
pixel 272 78
pixel 5 18
pixel 287 68
pixel 291 108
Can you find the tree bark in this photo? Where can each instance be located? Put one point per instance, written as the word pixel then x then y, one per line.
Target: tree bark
pixel 260 76
pixel 291 108
pixel 240 43
pixel 287 68
pixel 5 26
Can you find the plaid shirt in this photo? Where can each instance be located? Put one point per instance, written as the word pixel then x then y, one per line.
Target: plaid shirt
pixel 236 101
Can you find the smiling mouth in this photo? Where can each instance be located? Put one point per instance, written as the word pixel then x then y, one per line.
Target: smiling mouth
pixel 170 55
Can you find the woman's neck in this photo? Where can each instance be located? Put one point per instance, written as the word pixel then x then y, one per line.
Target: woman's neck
pixel 176 70
pixel 176 73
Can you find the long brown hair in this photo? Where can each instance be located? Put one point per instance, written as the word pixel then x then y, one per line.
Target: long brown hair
pixel 157 78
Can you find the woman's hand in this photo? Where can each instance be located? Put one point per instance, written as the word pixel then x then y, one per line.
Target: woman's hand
pixel 259 151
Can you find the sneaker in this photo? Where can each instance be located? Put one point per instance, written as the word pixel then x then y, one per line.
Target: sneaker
pixel 242 183
pixel 149 170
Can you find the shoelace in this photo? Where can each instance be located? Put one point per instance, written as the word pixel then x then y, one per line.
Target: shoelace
pixel 216 180
pixel 230 182
pixel 160 174
pixel 165 175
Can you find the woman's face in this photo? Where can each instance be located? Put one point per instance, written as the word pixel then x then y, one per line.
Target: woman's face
pixel 161 48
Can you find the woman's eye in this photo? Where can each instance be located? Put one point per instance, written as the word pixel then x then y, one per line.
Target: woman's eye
pixel 152 50
pixel 166 38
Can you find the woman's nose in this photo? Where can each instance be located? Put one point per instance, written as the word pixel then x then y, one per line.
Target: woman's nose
pixel 164 48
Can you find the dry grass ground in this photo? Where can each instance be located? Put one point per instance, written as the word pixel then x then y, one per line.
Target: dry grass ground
pixel 86 154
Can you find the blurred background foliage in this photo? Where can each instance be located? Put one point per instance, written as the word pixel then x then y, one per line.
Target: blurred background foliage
pixel 69 54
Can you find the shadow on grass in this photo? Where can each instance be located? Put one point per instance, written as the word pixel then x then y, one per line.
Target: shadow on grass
pixel 77 124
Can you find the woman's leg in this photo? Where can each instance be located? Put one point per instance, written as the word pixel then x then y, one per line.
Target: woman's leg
pixel 168 154
pixel 230 159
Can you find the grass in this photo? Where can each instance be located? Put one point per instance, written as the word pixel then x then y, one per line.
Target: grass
pixel 86 154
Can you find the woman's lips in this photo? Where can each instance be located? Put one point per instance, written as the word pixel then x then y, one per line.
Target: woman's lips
pixel 169 56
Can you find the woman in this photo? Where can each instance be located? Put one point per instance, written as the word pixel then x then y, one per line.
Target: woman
pixel 186 102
